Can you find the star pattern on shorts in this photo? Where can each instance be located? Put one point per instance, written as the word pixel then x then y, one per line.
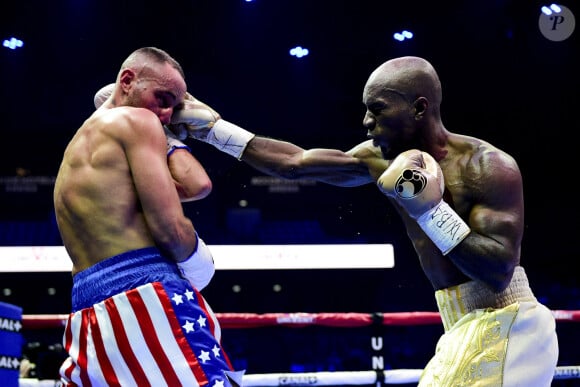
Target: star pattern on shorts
pixel 218 383
pixel 204 356
pixel 189 295
pixel 188 326
pixel 193 327
pixel 177 298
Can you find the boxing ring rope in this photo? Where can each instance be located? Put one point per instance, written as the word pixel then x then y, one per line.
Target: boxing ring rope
pixel 380 256
pixel 339 320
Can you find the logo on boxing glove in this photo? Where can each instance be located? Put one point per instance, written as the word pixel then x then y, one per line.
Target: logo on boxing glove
pixel 410 184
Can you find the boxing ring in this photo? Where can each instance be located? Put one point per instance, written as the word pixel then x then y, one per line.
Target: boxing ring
pixel 374 377
pixel 375 324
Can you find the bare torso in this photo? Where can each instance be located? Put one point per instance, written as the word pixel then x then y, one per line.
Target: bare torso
pixel 469 167
pixel 482 183
pixel 98 210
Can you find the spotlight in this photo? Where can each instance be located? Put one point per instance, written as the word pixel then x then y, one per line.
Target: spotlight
pixel 400 36
pixel 298 52
pixel 13 43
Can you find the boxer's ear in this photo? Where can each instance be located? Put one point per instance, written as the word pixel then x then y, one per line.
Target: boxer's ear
pixel 420 105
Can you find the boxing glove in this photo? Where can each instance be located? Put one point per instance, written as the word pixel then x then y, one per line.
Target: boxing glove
pixel 103 94
pixel 415 181
pixel 205 124
pixel 199 267
pixel 194 115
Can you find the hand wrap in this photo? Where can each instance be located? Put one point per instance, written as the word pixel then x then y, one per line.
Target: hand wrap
pixel 228 138
pixel 415 181
pixel 199 267
pixel 444 227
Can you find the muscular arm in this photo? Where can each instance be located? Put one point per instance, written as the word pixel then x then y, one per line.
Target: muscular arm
pixel 189 176
pixel 172 232
pixel 286 160
pixel 279 158
pixel 191 180
pixel 492 249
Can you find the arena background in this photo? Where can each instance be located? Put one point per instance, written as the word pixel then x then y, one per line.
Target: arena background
pixel 503 81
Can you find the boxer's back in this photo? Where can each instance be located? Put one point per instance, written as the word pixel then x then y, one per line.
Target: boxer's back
pixel 96 204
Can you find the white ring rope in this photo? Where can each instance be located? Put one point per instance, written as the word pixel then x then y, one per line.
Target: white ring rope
pixel 338 378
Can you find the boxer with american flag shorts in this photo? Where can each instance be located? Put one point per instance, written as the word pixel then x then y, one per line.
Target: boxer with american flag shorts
pixel 137 322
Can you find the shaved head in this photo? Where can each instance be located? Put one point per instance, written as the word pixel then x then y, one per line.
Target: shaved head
pixel 410 76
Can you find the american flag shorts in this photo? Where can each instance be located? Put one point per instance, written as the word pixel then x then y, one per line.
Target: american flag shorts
pixel 159 333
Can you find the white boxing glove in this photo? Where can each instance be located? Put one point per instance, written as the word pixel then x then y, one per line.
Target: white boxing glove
pixel 415 181
pixel 194 115
pixel 103 94
pixel 205 124
pixel 199 267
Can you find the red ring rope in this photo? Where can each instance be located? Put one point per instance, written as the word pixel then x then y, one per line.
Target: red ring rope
pixel 253 320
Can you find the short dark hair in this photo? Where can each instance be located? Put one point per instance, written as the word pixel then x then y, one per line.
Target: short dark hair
pixel 157 54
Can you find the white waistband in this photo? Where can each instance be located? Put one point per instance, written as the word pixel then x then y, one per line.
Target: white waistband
pixel 457 301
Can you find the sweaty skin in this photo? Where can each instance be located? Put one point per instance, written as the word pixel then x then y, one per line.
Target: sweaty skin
pixel 114 191
pixel 496 331
pixel 482 183
pixel 190 178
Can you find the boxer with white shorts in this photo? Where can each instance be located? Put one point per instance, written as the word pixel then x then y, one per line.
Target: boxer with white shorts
pixel 461 201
